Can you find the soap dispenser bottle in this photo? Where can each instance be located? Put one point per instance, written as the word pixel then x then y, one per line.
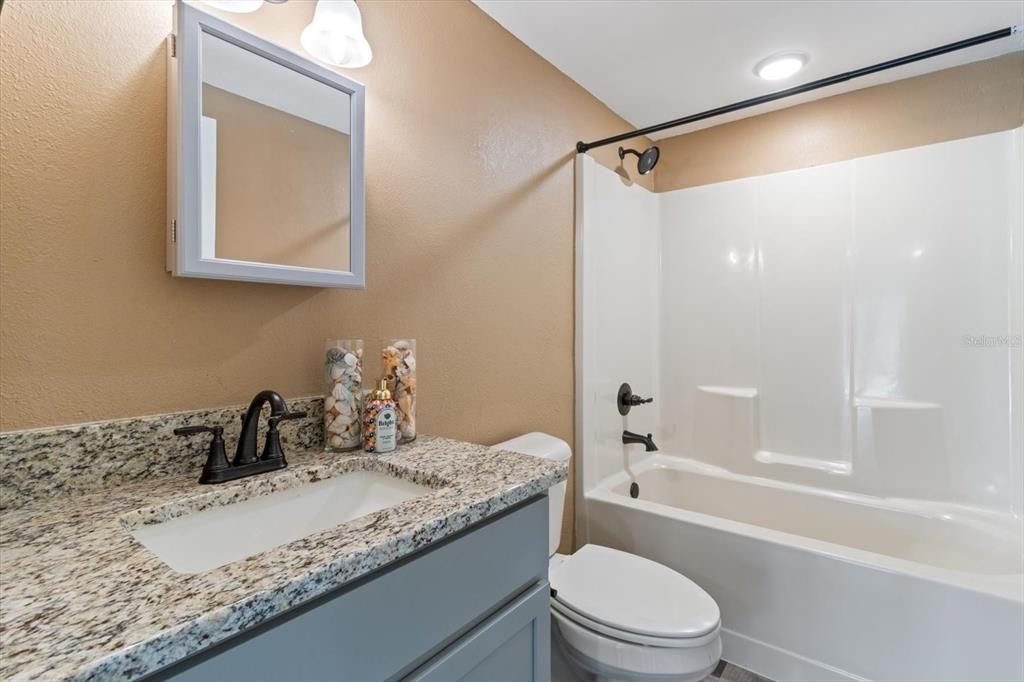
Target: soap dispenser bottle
pixel 380 423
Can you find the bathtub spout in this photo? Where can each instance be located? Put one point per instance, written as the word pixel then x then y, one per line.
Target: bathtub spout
pixel 648 441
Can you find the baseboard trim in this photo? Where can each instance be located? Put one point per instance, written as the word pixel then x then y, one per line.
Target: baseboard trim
pixel 778 664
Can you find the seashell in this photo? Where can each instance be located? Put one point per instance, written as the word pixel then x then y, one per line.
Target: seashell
pixel 336 441
pixel 329 403
pixel 341 393
pixel 336 372
pixel 401 344
pixel 351 360
pixel 410 362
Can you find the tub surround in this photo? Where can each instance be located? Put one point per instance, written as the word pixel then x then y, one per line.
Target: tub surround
pixel 815 376
pixel 840 455
pixel 83 600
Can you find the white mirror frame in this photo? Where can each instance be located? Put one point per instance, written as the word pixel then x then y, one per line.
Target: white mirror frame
pixel 184 115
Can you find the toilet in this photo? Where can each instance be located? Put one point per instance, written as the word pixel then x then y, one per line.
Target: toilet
pixel 618 616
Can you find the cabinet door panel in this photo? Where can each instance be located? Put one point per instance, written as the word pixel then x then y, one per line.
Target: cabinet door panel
pixel 513 645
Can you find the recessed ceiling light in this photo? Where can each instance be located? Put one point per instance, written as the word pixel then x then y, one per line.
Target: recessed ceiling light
pixel 780 66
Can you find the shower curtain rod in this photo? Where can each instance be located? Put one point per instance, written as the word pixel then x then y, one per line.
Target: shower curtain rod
pixel 582 147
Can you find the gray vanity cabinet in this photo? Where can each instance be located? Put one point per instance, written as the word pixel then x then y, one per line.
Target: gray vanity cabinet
pixel 473 607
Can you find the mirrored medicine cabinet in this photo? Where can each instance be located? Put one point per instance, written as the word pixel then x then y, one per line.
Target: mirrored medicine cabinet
pixel 265 160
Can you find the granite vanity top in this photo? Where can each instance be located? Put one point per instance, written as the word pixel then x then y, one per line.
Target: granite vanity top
pixel 81 599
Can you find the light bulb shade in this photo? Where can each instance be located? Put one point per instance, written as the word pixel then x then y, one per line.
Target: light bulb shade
pixel 780 66
pixel 336 35
pixel 239 6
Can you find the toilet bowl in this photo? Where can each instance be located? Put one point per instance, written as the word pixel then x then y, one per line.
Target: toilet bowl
pixel 618 616
pixel 623 617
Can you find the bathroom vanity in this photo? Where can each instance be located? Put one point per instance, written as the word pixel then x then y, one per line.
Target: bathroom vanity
pixel 446 581
pixel 472 607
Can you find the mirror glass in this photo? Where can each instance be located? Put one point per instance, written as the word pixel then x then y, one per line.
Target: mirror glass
pixel 275 160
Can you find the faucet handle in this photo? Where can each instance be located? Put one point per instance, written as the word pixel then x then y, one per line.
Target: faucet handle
pixel 216 459
pixel 192 430
pixel 276 419
pixel 626 399
pixel 272 448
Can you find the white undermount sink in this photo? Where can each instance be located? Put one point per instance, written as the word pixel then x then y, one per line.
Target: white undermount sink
pixel 213 537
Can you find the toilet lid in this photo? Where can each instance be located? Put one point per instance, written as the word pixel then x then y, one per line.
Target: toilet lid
pixel 632 594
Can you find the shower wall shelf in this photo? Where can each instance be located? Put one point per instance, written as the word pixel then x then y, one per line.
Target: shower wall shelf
pixel 729 391
pixel 826 465
pixel 890 404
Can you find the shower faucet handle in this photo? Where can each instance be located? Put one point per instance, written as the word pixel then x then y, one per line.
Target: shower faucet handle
pixel 628 400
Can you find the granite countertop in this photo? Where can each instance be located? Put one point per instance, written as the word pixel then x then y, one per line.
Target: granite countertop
pixel 81 599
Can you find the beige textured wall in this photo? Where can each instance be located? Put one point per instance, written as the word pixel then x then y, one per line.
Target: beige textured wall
pixel 282 185
pixel 469 211
pixel 974 99
pixel 469 166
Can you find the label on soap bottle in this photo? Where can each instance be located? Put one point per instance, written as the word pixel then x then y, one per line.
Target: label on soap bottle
pixel 387 429
pixel 380 426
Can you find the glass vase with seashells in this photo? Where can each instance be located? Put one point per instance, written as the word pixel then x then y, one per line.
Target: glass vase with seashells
pixel 343 379
pixel 399 356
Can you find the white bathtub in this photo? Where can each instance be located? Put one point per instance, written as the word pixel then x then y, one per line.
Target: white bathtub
pixel 818 585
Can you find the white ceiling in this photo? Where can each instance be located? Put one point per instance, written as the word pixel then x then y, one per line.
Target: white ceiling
pixel 655 60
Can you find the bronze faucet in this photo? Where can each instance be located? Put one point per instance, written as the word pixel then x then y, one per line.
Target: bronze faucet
pixel 246 461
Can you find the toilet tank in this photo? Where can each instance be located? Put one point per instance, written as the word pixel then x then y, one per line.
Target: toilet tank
pixel 546 447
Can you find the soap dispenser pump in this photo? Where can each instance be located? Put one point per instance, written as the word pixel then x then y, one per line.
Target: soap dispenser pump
pixel 380 422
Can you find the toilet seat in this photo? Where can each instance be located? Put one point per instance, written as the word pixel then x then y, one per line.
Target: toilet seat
pixel 632 637
pixel 632 599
